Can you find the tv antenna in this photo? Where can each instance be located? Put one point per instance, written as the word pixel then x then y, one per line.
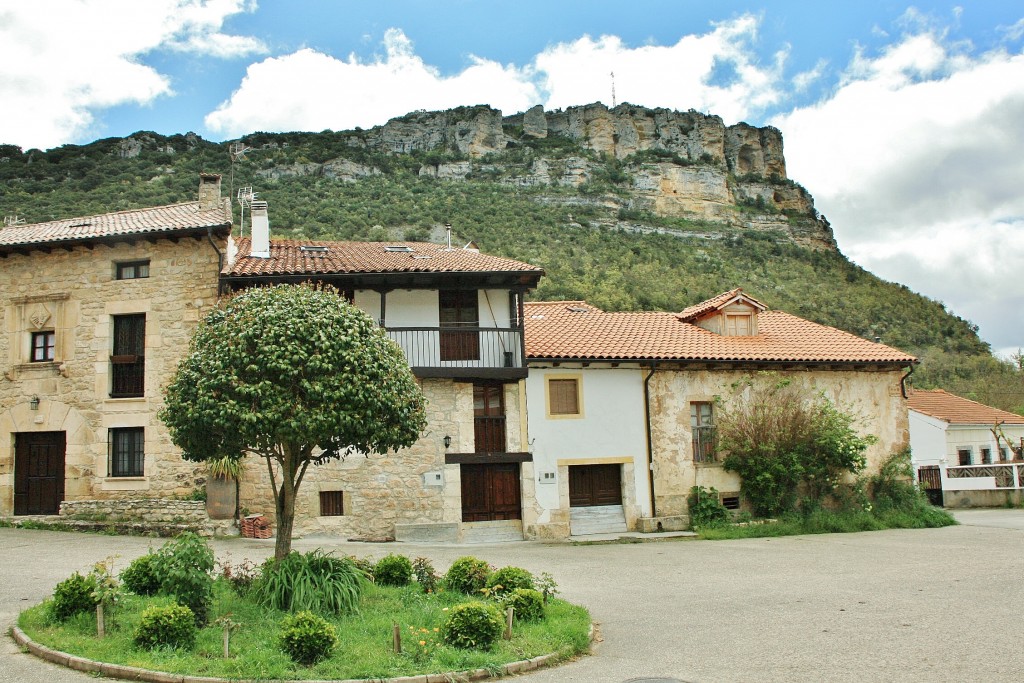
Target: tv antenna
pixel 236 151
pixel 13 220
pixel 613 90
pixel 245 199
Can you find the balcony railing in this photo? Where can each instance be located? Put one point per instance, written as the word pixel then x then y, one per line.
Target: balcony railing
pixel 478 348
pixel 1004 476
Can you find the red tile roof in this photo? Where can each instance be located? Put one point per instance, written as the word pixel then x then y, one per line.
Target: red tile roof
pixel 691 313
pixel 958 410
pixel 288 258
pixel 152 221
pixel 577 330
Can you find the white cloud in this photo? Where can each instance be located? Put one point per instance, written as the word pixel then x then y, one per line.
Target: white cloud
pixel 62 60
pixel 309 90
pixel 916 158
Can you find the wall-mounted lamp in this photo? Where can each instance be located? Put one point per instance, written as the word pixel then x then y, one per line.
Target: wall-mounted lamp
pixel 34 403
pixel 447 440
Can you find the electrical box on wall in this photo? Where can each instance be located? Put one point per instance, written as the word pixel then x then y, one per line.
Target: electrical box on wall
pixel 546 478
pixel 433 478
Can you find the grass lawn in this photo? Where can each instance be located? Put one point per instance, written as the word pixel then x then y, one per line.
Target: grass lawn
pixel 830 522
pixel 365 639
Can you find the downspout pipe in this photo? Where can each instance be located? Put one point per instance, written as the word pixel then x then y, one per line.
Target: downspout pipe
pixel 650 444
pixel 903 381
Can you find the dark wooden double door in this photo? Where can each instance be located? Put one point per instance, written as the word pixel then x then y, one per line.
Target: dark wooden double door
pixel 491 492
pixel 38 472
pixel 595 485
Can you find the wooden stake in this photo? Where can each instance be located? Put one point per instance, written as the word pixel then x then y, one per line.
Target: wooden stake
pixel 227 641
pixel 396 637
pixel 100 626
pixel 508 623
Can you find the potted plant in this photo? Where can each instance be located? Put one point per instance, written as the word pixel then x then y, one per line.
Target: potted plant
pixel 222 487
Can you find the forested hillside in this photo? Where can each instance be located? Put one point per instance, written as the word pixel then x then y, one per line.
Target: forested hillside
pixel 598 237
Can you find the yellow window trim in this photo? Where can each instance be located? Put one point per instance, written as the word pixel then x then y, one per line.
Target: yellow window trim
pixel 579 396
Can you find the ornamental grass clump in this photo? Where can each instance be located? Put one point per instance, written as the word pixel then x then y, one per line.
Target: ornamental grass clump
pixel 393 570
pixel 507 579
pixel 307 638
pixel 467 575
pixel 74 595
pixel 473 625
pixel 315 581
pixel 166 626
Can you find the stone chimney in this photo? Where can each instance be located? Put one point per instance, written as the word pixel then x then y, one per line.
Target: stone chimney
pixel 260 230
pixel 209 191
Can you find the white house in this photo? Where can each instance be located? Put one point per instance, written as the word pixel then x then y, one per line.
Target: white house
pixel 965 453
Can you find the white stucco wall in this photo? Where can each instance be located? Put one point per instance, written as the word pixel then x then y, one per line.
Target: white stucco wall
pixel 610 430
pixel 927 440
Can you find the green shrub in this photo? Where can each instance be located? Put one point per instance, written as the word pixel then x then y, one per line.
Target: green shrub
pixel 527 603
pixel 241 576
pixel 507 579
pixel 184 566
pixel 472 625
pixel 140 576
pixel 166 626
pixel 307 638
pixel 705 507
pixel 72 596
pixel 315 582
pixel 425 574
pixel 393 570
pixel 467 575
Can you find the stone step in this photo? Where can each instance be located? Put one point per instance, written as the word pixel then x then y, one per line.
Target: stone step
pixel 603 519
pixel 500 531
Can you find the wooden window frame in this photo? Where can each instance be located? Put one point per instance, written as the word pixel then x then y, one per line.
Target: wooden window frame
pixel 575 377
pixel 122 463
pixel 48 347
pixel 131 270
pixel 960 451
pixel 459 337
pixel 726 317
pixel 332 503
pixel 128 365
pixel 704 449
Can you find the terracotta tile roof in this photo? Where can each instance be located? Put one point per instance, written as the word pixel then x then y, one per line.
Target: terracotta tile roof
pixel 288 258
pixel 697 310
pixel 151 221
pixel 577 330
pixel 958 410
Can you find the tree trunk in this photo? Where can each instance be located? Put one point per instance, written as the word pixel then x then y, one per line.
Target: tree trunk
pixel 286 504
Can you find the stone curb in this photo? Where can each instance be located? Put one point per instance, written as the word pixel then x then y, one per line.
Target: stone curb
pixel 131 673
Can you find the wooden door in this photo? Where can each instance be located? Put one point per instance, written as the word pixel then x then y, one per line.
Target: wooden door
pixel 489 418
pixel 490 492
pixel 593 485
pixel 459 310
pixel 38 473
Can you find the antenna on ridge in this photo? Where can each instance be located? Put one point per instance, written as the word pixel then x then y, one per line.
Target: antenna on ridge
pixel 448 227
pixel 613 90
pixel 236 151
pixel 13 220
pixel 245 198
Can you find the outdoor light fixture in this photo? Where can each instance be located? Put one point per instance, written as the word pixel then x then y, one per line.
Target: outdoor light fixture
pixel 34 403
pixel 447 439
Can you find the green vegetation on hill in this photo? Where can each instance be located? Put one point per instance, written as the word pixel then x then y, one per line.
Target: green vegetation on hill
pixel 590 240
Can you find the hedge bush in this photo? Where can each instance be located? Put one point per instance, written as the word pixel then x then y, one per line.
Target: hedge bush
pixel 73 595
pixel 307 638
pixel 185 565
pixel 507 579
pixel 140 576
pixel 467 575
pixel 472 625
pixel 167 626
pixel 393 570
pixel 527 603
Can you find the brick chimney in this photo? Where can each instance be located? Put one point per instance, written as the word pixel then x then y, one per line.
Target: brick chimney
pixel 209 191
pixel 260 230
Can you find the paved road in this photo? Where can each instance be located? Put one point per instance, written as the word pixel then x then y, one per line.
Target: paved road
pixel 929 605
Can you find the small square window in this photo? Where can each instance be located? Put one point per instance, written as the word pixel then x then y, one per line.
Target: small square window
pixel 564 397
pixel 132 270
pixel 43 344
pixel 126 451
pixel 332 503
pixel 731 502
pixel 964 456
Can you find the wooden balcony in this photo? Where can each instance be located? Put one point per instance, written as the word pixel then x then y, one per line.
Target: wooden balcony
pixel 474 352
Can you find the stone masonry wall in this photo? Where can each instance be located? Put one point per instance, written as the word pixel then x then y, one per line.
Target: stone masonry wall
pixel 75 293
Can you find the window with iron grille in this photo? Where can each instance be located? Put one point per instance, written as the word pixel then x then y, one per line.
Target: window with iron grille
pixel 332 503
pixel 128 359
pixel 43 344
pixel 702 426
pixel 730 501
pixel 126 454
pixel 132 270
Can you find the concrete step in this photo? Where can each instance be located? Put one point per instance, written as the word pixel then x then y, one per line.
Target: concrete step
pixel 604 519
pixel 500 531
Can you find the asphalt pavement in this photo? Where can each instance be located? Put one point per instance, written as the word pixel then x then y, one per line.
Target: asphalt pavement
pixel 902 605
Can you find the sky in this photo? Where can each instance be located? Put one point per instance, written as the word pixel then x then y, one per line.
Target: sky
pixel 904 121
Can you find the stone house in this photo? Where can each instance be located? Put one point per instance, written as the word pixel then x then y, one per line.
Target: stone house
pixel 621 406
pixel 96 313
pixel 966 454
